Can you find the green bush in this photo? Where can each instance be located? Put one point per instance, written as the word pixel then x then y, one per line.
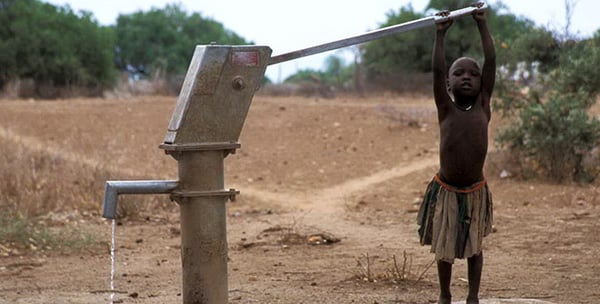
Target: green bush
pixel 553 138
pixel 553 134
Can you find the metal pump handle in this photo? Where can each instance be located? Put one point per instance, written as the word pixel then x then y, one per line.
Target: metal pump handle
pixel 376 34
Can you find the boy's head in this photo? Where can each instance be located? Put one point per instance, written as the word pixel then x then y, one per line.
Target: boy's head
pixel 464 78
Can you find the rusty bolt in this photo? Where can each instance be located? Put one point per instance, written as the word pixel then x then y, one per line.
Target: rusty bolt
pixel 238 83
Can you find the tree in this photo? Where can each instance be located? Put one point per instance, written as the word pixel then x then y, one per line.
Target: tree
pixel 53 46
pixel 337 73
pixel 165 38
pixel 406 52
pixel 388 59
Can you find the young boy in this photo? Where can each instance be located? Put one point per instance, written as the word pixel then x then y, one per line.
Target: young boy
pixel 457 208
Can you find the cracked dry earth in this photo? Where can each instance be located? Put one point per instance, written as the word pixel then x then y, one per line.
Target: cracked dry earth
pixel 347 170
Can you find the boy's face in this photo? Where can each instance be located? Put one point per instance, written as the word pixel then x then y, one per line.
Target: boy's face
pixel 465 77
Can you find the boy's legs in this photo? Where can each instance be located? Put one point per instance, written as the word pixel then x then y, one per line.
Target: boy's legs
pixel 475 264
pixel 445 275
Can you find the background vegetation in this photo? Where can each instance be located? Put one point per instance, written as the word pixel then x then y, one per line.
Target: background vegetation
pixel 44 47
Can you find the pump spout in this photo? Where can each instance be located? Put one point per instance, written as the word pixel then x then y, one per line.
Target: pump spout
pixel 114 188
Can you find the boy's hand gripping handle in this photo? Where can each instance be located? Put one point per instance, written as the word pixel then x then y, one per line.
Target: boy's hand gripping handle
pixel 481 6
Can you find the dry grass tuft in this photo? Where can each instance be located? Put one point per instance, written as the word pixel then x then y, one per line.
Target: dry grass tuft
pixel 367 270
pixel 34 185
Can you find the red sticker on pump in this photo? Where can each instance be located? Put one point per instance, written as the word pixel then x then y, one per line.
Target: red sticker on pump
pixel 245 58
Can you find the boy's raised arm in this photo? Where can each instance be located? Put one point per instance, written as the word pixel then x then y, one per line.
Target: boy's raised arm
pixel 488 76
pixel 440 91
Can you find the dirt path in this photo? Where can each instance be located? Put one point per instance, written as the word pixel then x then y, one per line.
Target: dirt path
pixel 336 195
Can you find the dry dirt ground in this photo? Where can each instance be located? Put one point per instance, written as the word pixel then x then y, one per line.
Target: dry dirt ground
pixel 348 168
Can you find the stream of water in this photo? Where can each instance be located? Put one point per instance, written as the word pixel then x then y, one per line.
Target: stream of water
pixel 112 263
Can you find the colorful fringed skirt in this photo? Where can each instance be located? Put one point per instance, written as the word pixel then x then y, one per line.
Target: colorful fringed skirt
pixel 454 220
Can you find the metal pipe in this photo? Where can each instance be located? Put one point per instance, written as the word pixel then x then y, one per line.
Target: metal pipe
pixel 203 227
pixel 372 35
pixel 114 188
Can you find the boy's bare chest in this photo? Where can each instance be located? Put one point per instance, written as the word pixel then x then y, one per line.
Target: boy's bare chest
pixel 465 128
pixel 463 119
pixel 463 146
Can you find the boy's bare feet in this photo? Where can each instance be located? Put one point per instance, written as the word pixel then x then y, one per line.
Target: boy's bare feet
pixel 472 301
pixel 445 300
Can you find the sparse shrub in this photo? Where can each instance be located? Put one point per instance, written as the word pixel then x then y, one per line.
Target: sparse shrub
pixel 551 133
pixel 367 271
pixel 553 138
